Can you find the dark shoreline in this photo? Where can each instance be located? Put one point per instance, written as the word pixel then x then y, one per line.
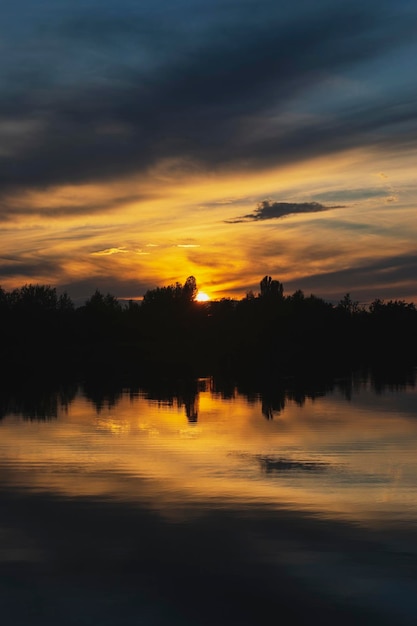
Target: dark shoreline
pixel 170 335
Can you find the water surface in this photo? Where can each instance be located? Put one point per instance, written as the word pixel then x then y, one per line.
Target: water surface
pixel 316 491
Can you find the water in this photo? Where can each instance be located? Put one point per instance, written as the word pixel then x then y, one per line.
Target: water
pixel 301 503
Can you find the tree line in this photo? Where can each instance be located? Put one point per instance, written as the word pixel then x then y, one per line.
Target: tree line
pixel 170 332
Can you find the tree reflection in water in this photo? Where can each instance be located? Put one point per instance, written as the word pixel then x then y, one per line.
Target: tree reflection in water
pixel 43 400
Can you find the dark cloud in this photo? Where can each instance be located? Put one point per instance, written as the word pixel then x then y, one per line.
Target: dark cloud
pixel 124 289
pixel 145 93
pixel 12 207
pixel 390 278
pixel 29 268
pixel 268 210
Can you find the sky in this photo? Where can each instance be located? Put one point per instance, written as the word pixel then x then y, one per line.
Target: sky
pixel 144 142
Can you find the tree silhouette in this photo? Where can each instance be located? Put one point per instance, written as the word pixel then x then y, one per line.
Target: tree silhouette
pixel 349 306
pixel 190 289
pixel 170 295
pixel 170 332
pixel 34 299
pixel 271 289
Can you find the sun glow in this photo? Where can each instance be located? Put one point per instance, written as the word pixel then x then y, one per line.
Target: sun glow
pixel 202 297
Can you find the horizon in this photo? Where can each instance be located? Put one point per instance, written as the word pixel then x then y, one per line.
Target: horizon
pixel 202 297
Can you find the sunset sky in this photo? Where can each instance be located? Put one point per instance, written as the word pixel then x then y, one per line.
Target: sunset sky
pixel 145 141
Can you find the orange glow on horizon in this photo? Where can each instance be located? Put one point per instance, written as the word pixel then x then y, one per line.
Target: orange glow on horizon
pixel 202 297
pixel 109 235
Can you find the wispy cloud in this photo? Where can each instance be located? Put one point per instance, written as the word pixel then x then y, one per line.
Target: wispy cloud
pixel 109 251
pixel 269 210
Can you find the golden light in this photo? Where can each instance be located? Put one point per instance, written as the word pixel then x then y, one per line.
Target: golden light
pixel 202 297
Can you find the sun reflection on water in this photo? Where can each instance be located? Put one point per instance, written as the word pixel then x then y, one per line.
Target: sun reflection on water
pixel 354 459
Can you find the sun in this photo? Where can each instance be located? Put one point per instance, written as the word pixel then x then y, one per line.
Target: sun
pixel 202 297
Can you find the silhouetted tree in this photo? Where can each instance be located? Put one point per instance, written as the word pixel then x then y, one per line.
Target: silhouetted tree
pixel 393 308
pixel 347 305
pixel 190 289
pixel 171 294
pixel 103 304
pixel 4 301
pixel 34 299
pixel 169 331
pixel 65 304
pixel 298 296
pixel 100 325
pixel 272 289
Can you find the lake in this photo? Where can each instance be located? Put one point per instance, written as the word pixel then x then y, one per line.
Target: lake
pixel 205 503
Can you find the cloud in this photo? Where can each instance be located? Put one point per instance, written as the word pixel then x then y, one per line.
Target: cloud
pixel 75 204
pixel 169 90
pixel 82 289
pixel 29 268
pixel 101 104
pixel 109 251
pixel 392 277
pixel 268 210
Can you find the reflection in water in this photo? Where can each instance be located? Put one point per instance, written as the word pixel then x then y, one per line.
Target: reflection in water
pixel 132 494
pixel 194 443
pixel 181 394
pixel 36 401
pixel 271 465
